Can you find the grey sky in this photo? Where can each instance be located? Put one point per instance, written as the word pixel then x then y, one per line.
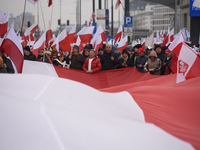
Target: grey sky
pixel 68 10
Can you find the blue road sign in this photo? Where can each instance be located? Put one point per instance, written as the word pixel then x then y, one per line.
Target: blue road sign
pixel 128 21
pixel 194 11
pixel 107 19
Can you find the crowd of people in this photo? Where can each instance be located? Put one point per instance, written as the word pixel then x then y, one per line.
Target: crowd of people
pixel 156 60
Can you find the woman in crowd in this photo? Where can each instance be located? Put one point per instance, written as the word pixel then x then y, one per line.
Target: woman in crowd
pixel 125 60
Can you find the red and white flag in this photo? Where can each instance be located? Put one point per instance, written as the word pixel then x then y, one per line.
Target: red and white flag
pixel 188 63
pixel 66 45
pixel 12 47
pixel 119 34
pixel 169 37
pixel 149 40
pixel 117 4
pixel 101 32
pixel 50 2
pixel 3 23
pixel 98 44
pixel 59 40
pixel 31 29
pixel 85 34
pixel 40 44
pixel 49 35
pixel 122 44
pixel 33 1
pixel 79 44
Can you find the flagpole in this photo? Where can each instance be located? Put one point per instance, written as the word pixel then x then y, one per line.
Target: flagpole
pixel 119 15
pixel 42 15
pixel 23 17
pixel 123 6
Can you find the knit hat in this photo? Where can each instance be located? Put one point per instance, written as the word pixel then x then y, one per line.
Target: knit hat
pixel 124 51
pixel 54 51
pixel 138 46
pixel 27 48
pixel 140 50
pixel 156 46
pixel 100 49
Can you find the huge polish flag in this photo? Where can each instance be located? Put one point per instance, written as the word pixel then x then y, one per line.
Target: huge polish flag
pixel 119 108
pixel 12 47
pixel 40 44
pixel 85 34
pixel 119 35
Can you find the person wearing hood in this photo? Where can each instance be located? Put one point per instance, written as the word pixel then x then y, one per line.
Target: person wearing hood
pixel 140 60
pixel 77 60
pixel 2 66
pixel 125 60
pixel 28 55
pixel 161 55
pixel 153 64
pixel 92 64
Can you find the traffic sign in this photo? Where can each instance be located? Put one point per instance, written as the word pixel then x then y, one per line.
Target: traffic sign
pixel 128 31
pixel 128 21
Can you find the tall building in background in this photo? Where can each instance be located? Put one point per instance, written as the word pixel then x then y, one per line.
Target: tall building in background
pixel 143 17
pixel 163 17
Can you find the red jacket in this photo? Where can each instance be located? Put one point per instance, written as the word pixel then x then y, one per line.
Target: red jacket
pixel 95 66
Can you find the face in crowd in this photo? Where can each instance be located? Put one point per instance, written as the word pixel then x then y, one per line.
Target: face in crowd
pixel 91 54
pixel 158 50
pixel 108 48
pixel 75 50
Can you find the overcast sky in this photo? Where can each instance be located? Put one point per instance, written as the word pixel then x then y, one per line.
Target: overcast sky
pixel 68 10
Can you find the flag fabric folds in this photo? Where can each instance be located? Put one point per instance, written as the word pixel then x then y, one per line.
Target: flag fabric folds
pixel 117 4
pixel 12 47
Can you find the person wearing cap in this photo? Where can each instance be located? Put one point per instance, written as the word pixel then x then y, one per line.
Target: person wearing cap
pixel 2 66
pixel 153 64
pixel 100 52
pixel 108 60
pixel 125 60
pixel 135 52
pixel 166 63
pixel 92 64
pixel 77 60
pixel 161 56
pixel 140 60
pixel 86 51
pixel 9 66
pixel 28 55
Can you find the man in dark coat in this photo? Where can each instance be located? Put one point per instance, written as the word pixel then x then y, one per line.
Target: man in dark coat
pixel 161 56
pixel 9 66
pixel 141 60
pixel 28 55
pixel 77 60
pixel 108 61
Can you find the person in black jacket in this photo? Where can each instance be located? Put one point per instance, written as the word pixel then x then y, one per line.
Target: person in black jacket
pixel 9 66
pixel 125 60
pixel 108 60
pixel 161 56
pixel 28 55
pixel 141 60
